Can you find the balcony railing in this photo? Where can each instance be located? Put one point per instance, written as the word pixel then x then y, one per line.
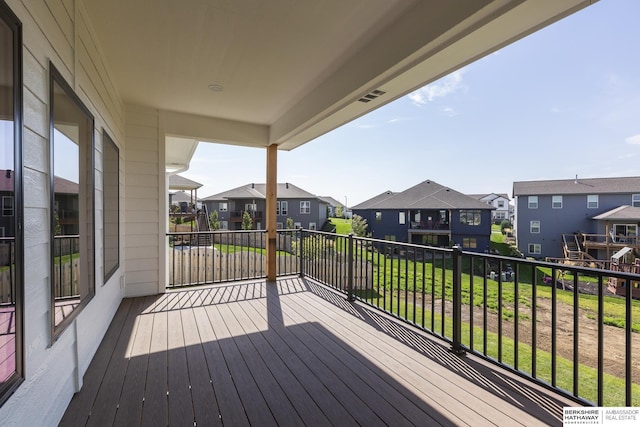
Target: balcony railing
pixel 7 270
pixel 66 266
pixel 237 216
pixel 550 323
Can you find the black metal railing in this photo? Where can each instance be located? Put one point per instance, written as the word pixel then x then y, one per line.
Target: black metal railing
pixel 554 324
pixel 225 256
pixel 66 266
pixel 7 270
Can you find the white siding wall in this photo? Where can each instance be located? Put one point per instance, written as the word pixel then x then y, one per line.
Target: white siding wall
pixel 56 30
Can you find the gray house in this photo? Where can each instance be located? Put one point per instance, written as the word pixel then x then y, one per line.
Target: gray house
pixel 305 209
pixel 430 214
pixel 503 209
pixel 576 218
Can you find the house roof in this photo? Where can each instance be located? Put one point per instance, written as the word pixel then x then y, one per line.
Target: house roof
pixel 330 201
pixel 489 197
pixel 263 72
pixel 177 182
pixel 258 191
pixel 6 183
pixel 578 186
pixel 64 186
pixel 621 213
pixel 180 196
pixel 426 195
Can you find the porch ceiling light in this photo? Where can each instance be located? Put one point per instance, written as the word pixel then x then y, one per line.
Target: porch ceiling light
pixel 216 88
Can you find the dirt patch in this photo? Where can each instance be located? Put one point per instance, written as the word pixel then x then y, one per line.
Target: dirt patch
pixel 587 335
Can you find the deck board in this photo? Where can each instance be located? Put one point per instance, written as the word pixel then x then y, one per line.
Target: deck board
pixel 291 353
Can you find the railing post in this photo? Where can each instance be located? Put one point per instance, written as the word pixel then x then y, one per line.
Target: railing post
pixel 298 234
pixel 456 345
pixel 350 295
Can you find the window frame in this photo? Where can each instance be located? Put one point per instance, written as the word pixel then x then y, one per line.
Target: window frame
pixel 402 218
pixel 284 207
pixel 557 201
pixel 475 214
pixel 4 205
pixel 533 229
pixel 469 243
pixel 635 200
pixel 305 207
pixel 378 216
pixel 14 26
pixel 221 208
pixel 590 201
pixel 532 202
pixel 107 226
pixel 537 248
pixel 56 78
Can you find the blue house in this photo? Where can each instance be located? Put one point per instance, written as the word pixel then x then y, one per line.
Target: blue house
pixel 577 218
pixel 429 214
pixel 304 209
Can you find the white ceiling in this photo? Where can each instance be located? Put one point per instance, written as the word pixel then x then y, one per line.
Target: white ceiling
pixel 294 69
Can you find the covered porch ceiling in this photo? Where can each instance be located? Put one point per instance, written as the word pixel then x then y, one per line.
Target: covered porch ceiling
pixel 262 72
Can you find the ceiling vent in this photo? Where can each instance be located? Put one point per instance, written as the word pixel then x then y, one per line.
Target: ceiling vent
pixel 372 95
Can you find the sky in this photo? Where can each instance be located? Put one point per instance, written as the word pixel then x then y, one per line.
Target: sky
pixel 562 102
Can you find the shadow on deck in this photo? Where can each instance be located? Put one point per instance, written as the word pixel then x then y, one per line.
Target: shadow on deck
pixel 290 353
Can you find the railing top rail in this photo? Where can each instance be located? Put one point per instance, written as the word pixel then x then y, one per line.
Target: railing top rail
pixel 66 236
pixel 196 233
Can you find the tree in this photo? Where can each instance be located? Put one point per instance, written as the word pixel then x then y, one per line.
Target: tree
pixel 289 224
pixel 504 225
pixel 359 226
pixel 339 211
pixel 247 221
pixel 214 223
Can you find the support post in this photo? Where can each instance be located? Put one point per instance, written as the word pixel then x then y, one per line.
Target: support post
pixel 270 207
pixel 456 345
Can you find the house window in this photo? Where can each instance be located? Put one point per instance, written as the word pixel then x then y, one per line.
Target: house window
pixel 312 226
pixel 305 207
pixel 279 226
pixel 469 242
pixel 556 202
pixel 501 203
pixel 277 208
pixel 535 248
pixel 223 207
pixel 430 240
pixel 635 200
pixel 7 206
pixel 110 206
pixel 533 202
pixel 378 216
pixel 284 208
pixel 401 218
pixel 501 215
pixel 224 225
pixel 534 227
pixel 297 225
pixel 592 201
pixel 470 216
pixel 72 183
pixel 250 207
pixel 390 237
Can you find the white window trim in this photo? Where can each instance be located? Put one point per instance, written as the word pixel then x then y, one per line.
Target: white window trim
pixel 224 225
pixel 312 226
pixel 402 218
pixel 284 207
pixel 4 204
pixel 531 204
pixel 305 207
pixel 635 200
pixel 553 202
pixel 534 248
pixel 597 201
pixel 221 208
pixel 531 227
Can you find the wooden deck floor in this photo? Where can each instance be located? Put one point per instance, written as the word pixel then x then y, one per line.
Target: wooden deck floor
pixel 291 353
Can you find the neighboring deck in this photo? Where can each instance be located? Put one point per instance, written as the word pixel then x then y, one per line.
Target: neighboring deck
pixel 294 353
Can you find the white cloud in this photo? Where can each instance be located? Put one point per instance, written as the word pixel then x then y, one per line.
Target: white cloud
pixel 634 140
pixel 438 89
pixel 450 111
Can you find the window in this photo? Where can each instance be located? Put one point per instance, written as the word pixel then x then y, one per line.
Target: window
pixel 470 216
pixel 284 208
pixel 277 208
pixel 556 202
pixel 390 237
pixel 224 225
pixel 7 205
pixel 250 207
pixel 279 226
pixel 305 207
pixel 501 215
pixel 378 216
pixel 312 226
pixel 635 200
pixel 297 225
pixel 501 203
pixel 401 218
pixel 72 189
pixel 430 239
pixel 533 202
pixel 469 242
pixel 592 201
pixel 110 206
pixel 534 227
pixel 223 207
pixel 535 248
pixel 11 223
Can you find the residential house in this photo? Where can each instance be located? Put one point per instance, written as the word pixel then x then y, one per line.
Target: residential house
pixel 430 214
pixel 156 79
pixel 503 209
pixel 331 205
pixel 592 216
pixel 179 197
pixel 304 209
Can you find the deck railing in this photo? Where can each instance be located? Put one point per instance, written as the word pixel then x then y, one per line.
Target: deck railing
pixel 551 323
pixel 7 270
pixel 66 266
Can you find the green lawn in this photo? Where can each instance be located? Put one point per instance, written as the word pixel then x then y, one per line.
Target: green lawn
pixel 343 226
